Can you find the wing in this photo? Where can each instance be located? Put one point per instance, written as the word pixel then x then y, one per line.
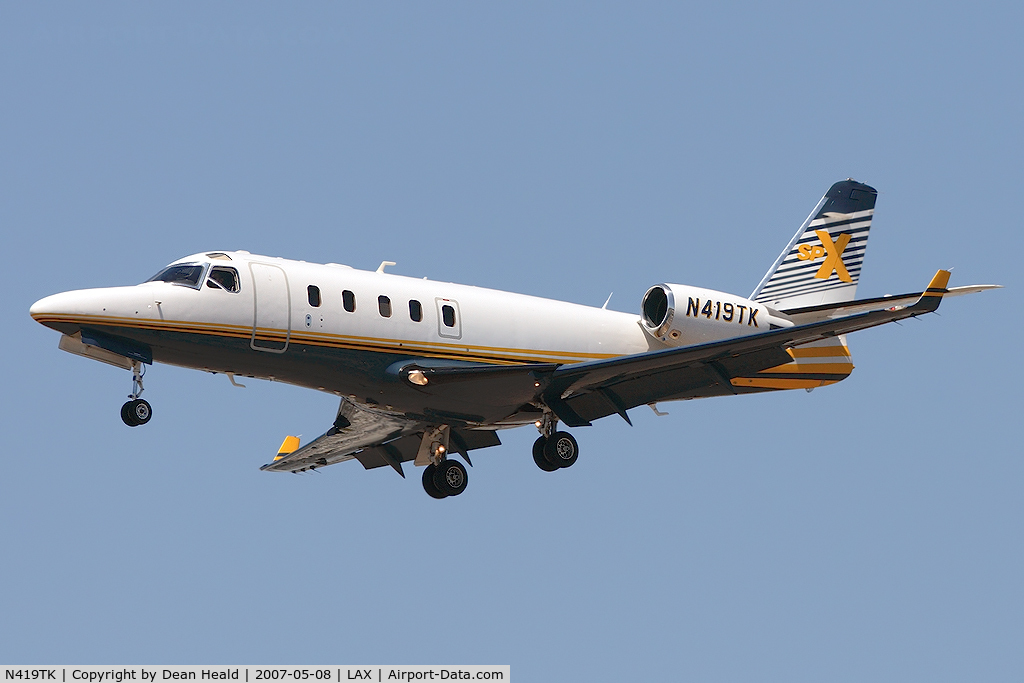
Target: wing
pixel 372 437
pixel 583 392
pixel 355 429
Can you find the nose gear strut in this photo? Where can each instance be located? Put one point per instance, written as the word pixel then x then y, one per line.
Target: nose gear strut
pixel 136 411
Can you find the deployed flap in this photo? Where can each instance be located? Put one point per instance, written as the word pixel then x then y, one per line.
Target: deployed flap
pixel 704 369
pixel 405 449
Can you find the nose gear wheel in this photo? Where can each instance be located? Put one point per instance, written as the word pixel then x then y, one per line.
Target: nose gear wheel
pixel 136 411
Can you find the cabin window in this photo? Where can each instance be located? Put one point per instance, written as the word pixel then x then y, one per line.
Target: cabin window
pixel 348 299
pixel 448 315
pixel 415 310
pixel 384 305
pixel 313 294
pixel 188 274
pixel 222 277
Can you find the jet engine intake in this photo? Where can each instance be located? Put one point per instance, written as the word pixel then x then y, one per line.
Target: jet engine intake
pixel 678 315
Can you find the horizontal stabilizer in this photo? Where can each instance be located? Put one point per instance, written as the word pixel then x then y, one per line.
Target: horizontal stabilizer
pixel 809 314
pixel 970 289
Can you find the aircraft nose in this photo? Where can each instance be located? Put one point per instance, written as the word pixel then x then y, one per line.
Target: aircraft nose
pixel 61 310
pixel 48 305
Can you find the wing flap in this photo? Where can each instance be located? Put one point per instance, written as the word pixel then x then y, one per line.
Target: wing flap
pixel 405 448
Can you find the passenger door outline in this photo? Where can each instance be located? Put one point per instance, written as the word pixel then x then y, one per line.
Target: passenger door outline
pixel 271 308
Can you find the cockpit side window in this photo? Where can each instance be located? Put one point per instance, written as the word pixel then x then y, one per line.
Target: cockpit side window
pixel 224 277
pixel 187 274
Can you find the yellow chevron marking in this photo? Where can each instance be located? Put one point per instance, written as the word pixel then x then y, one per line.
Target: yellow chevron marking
pixel 834 261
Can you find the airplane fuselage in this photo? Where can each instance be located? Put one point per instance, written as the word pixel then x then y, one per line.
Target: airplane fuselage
pixel 271 329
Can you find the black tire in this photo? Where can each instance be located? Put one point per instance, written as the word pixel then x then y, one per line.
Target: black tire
pixel 561 449
pixel 126 415
pixel 538 455
pixel 451 477
pixel 428 483
pixel 140 411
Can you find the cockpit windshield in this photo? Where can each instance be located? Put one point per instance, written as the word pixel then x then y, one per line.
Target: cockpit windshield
pixel 188 274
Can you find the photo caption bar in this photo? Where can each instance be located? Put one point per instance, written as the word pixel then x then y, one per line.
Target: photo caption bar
pixel 253 674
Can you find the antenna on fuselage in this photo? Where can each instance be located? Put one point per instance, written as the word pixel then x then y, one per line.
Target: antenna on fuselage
pixel 384 264
pixel 605 307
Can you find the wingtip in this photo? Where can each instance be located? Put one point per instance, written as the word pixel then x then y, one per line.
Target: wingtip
pixel 939 282
pixel 288 446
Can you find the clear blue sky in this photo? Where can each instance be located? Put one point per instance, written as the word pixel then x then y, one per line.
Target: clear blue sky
pixel 867 531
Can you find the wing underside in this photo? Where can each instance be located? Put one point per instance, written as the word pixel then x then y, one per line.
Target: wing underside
pixel 355 429
pixel 375 439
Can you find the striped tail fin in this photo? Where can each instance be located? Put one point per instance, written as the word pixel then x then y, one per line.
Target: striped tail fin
pixel 821 264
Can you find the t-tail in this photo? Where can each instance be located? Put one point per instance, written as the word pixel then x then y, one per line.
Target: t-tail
pixel 820 266
pixel 822 263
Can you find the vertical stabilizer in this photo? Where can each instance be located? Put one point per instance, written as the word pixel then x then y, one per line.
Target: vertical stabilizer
pixel 822 263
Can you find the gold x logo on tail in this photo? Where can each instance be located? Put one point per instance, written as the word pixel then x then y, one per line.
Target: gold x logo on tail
pixel 834 261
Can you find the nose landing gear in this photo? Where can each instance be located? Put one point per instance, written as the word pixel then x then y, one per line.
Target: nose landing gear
pixel 136 411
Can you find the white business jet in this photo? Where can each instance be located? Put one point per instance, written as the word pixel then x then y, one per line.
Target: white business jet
pixel 426 369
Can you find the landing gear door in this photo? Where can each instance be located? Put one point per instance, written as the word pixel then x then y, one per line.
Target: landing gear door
pixel 449 318
pixel 271 329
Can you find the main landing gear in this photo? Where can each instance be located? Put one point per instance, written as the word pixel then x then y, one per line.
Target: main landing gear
pixel 554 450
pixel 136 411
pixel 446 478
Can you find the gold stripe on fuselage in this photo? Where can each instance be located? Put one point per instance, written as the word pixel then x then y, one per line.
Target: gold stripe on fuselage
pixel 489 354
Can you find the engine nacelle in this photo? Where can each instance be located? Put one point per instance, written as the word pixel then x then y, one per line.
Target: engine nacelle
pixel 679 315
